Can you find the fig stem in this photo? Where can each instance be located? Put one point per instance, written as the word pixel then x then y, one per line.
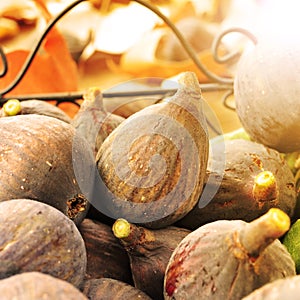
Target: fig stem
pixel 265 186
pixel 12 107
pixel 261 232
pixel 130 234
pixel 121 228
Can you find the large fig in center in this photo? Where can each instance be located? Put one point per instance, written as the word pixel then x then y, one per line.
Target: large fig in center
pixel 153 164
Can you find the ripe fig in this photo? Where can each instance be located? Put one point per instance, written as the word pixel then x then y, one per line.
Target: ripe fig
pixel 111 289
pixel 37 286
pixel 93 121
pixel 106 257
pixel 149 252
pixel 15 107
pixel 229 259
pixel 252 179
pixel 152 166
pixel 285 288
pixel 267 103
pixel 35 236
pixel 37 162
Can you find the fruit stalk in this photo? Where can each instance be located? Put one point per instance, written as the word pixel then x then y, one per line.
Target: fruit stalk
pixel 260 233
pixel 265 186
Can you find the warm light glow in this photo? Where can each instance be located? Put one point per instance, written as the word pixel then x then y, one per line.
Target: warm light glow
pixel 123 27
pixel 279 18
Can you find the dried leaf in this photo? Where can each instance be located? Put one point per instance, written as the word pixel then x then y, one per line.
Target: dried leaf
pixel 52 70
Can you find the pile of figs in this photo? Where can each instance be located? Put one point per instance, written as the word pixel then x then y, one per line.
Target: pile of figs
pixel 144 207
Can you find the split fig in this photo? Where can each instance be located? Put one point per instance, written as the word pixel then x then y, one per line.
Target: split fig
pixel 152 166
pixel 35 236
pixel 229 259
pixel 37 162
pixel 37 286
pixel 149 252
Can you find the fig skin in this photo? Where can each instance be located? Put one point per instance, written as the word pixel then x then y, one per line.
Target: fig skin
pixel 152 166
pixel 229 259
pixel 149 252
pixel 37 237
pixel 36 286
pixel 92 121
pixel 35 106
pixel 232 175
pixel 106 257
pixel 111 289
pixel 37 162
pixel 286 288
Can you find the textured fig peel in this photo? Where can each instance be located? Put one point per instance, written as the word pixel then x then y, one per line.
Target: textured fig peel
pixel 258 234
pixel 229 259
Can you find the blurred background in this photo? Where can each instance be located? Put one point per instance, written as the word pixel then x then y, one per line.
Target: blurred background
pixel 124 44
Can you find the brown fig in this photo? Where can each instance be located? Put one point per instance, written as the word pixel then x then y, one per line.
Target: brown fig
pixel 249 178
pixel 93 121
pixel 149 252
pixel 40 158
pixel 152 166
pixel 285 288
pixel 37 286
pixel 15 107
pixel 106 257
pixel 229 259
pixel 35 236
pixel 111 289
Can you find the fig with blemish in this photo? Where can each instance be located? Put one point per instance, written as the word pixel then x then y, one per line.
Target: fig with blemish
pixel 229 259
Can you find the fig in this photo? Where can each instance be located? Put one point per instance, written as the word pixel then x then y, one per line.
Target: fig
pixel 252 179
pixel 152 166
pixel 291 242
pixel 37 286
pixel 229 259
pixel 149 252
pixel 35 236
pixel 93 121
pixel 106 257
pixel 265 93
pixel 285 288
pixel 37 162
pixel 198 33
pixel 111 289
pixel 15 107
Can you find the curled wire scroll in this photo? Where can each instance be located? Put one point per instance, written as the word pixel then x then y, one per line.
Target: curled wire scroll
pixel 217 82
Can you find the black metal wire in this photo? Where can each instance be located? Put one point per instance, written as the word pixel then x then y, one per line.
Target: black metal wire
pixel 4 63
pixel 34 51
pixel 220 83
